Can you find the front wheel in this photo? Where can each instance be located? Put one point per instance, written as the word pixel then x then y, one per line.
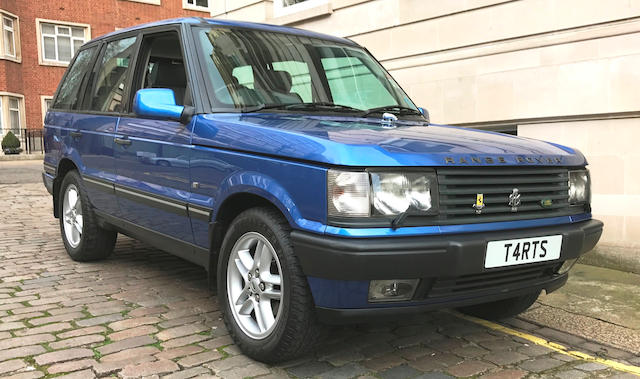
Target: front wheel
pixel 83 238
pixel 500 309
pixel 262 291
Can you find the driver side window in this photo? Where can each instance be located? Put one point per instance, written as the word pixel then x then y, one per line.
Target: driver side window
pixel 162 66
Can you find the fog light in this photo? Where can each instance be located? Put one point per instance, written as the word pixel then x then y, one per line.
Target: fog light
pixel 566 266
pixel 392 290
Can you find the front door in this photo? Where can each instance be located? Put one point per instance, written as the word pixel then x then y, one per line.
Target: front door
pixel 152 156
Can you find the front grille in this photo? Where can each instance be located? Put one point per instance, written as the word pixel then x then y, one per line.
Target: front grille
pixel 458 188
pixel 498 280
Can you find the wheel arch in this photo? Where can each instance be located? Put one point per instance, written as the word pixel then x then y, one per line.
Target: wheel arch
pixel 228 210
pixel 64 166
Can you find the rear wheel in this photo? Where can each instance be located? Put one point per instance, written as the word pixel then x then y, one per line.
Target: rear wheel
pixel 262 291
pixel 83 238
pixel 500 309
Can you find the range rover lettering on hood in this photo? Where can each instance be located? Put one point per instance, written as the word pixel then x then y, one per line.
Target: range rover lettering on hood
pixel 492 160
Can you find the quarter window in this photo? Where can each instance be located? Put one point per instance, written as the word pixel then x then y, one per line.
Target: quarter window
pixel 9 36
pixel 111 81
pixel 61 42
pixel 69 92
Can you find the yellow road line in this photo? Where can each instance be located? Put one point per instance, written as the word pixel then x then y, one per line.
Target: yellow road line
pixel 552 345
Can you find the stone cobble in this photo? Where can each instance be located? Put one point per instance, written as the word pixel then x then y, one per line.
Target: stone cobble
pixel 145 313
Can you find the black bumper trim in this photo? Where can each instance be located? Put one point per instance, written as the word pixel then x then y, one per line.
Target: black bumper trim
pixel 424 256
pixel 346 315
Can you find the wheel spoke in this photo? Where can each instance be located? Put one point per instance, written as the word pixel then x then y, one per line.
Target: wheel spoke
pixel 246 307
pixel 266 319
pixel 79 223
pixel 72 195
pixel 241 268
pixel 270 278
pixel 259 255
pixel 245 258
pixel 272 294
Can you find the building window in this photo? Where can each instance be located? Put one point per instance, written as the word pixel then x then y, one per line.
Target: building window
pixel 46 102
pixel 14 115
pixel 9 37
pixel 198 5
pixel 59 42
pixel 285 7
pixel 11 120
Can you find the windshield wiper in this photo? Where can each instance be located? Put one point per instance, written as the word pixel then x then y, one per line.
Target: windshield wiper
pixel 322 105
pixel 392 109
pixel 259 107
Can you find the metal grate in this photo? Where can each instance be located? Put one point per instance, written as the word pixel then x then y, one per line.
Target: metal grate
pixel 458 188
pixel 521 277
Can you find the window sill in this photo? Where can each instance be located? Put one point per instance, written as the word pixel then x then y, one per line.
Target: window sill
pixel 318 11
pixel 11 59
pixel 150 2
pixel 54 64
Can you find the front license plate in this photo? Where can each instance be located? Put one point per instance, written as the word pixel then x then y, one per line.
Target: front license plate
pixel 522 250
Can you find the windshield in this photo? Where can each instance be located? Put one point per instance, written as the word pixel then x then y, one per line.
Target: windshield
pixel 253 70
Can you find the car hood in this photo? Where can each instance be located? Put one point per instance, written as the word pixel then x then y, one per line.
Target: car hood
pixel 351 141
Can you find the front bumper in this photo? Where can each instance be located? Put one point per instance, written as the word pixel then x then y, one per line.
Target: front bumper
pixel 451 268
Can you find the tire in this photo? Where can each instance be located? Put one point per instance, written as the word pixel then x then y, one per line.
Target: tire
pixel 501 309
pixel 83 238
pixel 295 330
pixel 163 164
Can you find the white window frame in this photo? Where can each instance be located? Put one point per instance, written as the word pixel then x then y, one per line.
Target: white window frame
pixel 11 29
pixel 43 104
pixel 194 7
pixel 279 9
pixel 1 118
pixel 56 24
pixel 10 127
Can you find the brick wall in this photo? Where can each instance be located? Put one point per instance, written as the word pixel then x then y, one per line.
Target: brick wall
pixel 33 80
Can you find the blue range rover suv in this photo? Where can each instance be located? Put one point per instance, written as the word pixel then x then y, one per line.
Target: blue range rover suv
pixel 293 168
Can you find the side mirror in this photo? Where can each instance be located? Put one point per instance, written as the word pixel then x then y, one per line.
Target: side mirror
pixel 425 113
pixel 157 103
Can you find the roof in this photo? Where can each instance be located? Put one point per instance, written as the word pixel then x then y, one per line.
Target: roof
pixel 239 24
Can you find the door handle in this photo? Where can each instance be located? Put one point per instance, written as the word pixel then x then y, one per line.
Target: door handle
pixel 76 134
pixel 122 141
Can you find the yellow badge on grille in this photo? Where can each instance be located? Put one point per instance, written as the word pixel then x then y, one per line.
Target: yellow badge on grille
pixel 479 205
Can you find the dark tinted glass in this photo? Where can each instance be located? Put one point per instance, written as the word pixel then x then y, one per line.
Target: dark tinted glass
pixel 68 95
pixel 250 67
pixel 111 81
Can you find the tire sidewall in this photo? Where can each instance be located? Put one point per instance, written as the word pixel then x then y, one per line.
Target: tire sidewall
pixel 72 177
pixel 253 222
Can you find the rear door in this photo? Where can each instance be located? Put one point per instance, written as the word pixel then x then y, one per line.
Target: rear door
pixel 102 107
pixel 83 136
pixel 152 156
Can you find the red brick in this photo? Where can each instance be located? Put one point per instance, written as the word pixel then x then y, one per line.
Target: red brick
pixel 62 356
pixel 133 322
pixel 133 332
pixel 77 341
pixel 82 332
pixel 149 368
pixel 70 366
pixel 198 359
pixel 181 331
pixel 26 341
pixel 31 79
pixel 469 368
pixel 179 352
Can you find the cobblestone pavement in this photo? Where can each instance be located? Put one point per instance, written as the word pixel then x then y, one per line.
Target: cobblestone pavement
pixel 146 313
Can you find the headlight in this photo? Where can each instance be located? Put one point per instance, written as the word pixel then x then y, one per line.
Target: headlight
pixel 579 187
pixel 348 193
pixel 351 194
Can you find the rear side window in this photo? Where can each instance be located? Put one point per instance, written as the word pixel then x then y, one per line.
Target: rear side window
pixel 69 92
pixel 111 80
